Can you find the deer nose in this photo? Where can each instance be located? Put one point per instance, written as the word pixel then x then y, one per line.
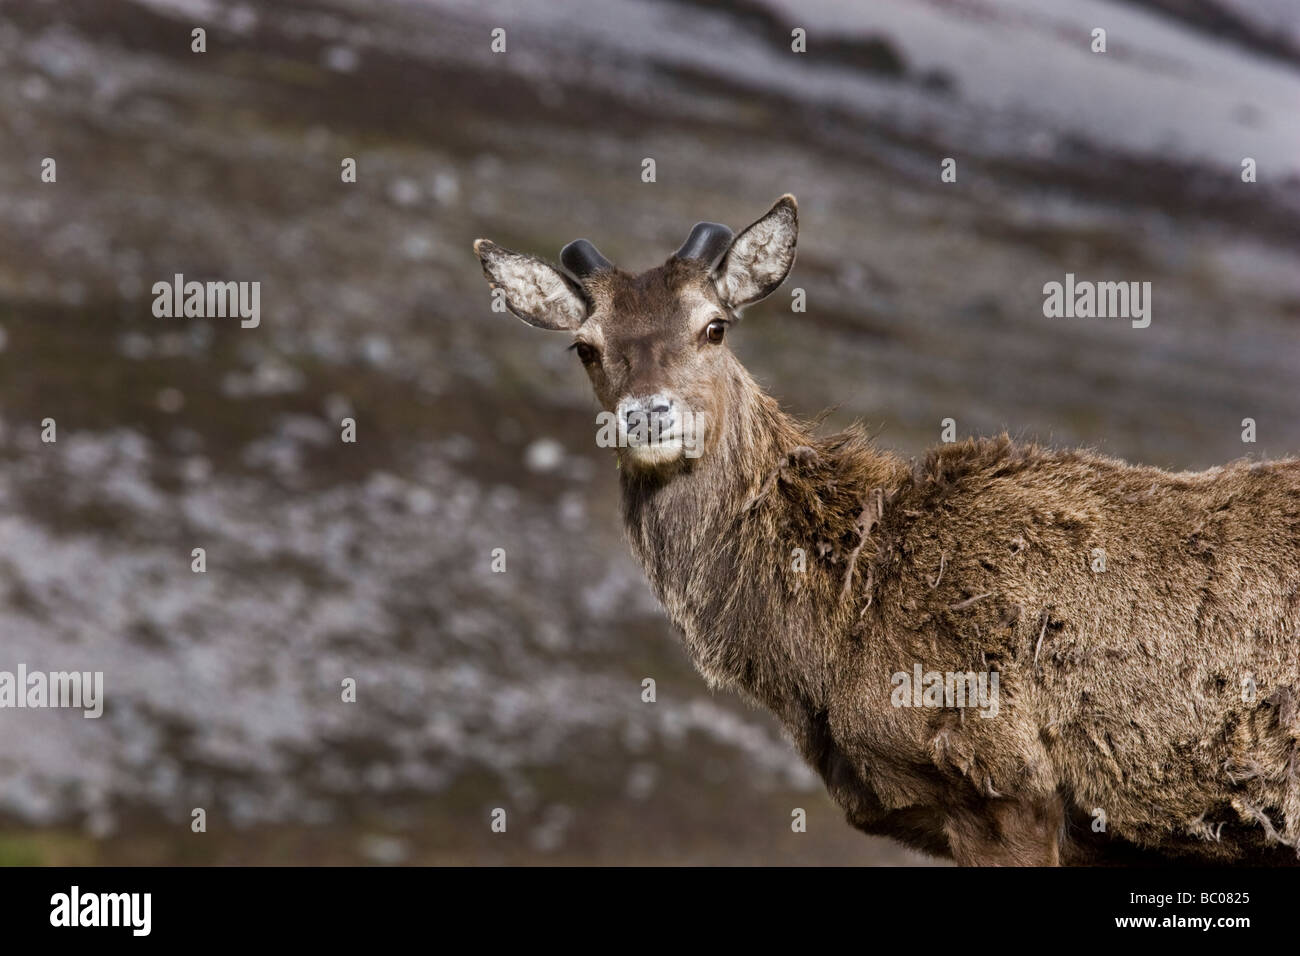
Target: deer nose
pixel 652 412
pixel 657 404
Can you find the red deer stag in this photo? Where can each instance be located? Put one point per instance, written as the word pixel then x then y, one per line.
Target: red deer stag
pixel 1001 653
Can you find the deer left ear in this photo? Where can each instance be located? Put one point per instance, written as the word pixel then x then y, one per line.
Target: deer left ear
pixel 535 291
pixel 761 257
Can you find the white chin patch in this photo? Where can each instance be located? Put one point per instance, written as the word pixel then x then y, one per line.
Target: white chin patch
pixel 649 455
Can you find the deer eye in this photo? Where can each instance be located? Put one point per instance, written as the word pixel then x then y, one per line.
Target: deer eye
pixel 716 330
pixel 586 353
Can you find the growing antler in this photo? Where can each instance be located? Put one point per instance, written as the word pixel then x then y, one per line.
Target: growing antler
pixel 708 242
pixel 581 258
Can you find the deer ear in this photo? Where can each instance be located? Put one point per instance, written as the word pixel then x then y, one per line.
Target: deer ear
pixel 535 291
pixel 761 257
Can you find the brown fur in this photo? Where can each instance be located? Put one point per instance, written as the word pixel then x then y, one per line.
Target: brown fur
pixel 1121 690
pixel 1136 705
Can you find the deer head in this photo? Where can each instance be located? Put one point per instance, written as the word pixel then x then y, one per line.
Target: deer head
pixel 654 344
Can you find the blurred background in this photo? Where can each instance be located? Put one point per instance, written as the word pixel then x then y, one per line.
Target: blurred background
pixel 372 560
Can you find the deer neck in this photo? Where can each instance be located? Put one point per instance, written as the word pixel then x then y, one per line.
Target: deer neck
pixel 719 565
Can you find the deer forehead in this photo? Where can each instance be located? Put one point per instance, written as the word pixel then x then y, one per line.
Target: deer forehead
pixel 646 308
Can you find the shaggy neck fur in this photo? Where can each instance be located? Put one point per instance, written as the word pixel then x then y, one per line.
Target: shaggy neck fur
pixel 718 540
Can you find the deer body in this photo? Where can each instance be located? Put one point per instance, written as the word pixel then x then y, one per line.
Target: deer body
pixel 1144 626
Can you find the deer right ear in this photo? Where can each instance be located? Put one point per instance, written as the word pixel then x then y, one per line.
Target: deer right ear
pixel 534 290
pixel 761 257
